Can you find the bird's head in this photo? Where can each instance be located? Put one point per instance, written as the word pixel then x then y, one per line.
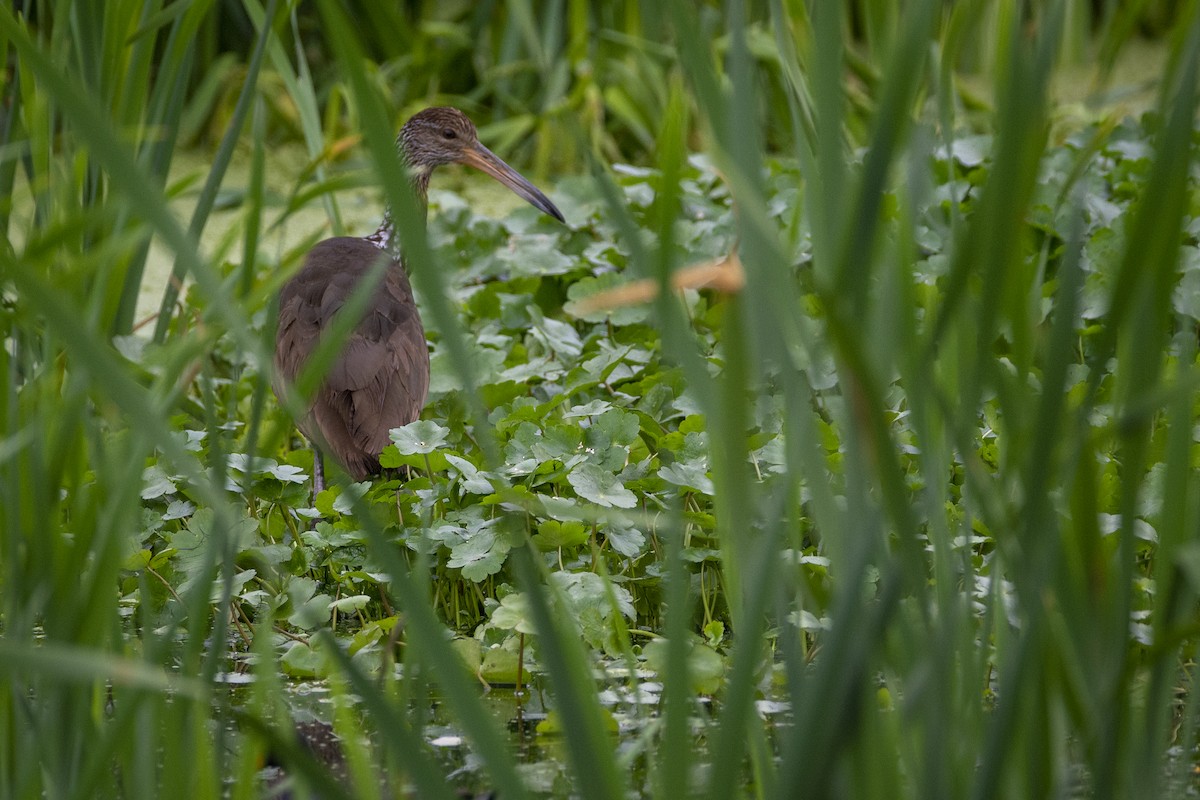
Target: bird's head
pixel 444 135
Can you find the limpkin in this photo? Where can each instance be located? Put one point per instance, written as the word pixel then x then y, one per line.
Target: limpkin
pixel 380 379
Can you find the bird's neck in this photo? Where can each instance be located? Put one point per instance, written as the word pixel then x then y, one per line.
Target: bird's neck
pixel 385 236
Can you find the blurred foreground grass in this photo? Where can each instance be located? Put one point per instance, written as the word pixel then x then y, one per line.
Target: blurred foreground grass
pixel 927 483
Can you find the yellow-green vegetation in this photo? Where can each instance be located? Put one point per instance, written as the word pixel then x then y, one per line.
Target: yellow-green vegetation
pixel 902 502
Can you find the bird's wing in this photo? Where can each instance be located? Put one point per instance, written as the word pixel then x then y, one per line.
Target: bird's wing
pixel 380 379
pixel 384 367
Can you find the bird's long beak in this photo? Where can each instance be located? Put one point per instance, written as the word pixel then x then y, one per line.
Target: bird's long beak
pixel 486 161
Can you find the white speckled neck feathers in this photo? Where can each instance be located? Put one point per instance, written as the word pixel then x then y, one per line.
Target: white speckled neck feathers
pixel 385 236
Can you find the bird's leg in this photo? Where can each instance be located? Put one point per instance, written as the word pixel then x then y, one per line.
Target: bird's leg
pixel 318 473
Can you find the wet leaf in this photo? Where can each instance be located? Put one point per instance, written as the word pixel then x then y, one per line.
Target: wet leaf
pixel 706 668
pixel 156 483
pixel 588 286
pixel 344 503
pixel 480 555
pixel 354 602
pixel 535 255
pixel 629 542
pixel 179 509
pixel 422 436
pixel 472 480
pixel 689 474
pixel 287 473
pixel 601 487
pixel 559 337
pixel 499 666
pixel 553 534
pixel 513 614
pixel 301 661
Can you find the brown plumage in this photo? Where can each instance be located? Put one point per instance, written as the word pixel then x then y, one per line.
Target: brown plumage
pixel 380 379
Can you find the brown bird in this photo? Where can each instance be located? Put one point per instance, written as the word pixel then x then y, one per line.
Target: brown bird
pixel 381 377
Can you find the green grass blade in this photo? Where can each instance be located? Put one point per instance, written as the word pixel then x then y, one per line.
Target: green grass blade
pixel 216 175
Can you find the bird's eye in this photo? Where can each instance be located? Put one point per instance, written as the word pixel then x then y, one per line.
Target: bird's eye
pixel 448 133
